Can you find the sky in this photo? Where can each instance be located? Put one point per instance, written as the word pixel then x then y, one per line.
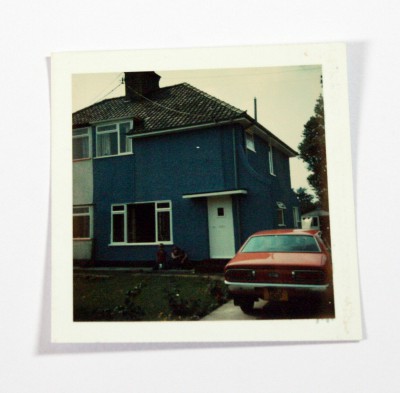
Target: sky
pixel 286 97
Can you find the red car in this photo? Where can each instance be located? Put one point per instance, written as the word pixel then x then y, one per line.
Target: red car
pixel 280 265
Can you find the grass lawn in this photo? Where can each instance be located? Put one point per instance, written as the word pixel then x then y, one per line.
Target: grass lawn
pixel 124 296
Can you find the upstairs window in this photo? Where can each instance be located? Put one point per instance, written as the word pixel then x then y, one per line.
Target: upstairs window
pixel 81 144
pixel 250 141
pixel 112 139
pixel 271 160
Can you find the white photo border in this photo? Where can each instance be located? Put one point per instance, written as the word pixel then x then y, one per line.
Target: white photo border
pixel 346 325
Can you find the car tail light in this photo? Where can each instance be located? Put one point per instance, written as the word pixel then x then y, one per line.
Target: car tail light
pixel 308 276
pixel 240 275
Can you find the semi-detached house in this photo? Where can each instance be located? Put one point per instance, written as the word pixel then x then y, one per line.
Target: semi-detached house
pixel 173 165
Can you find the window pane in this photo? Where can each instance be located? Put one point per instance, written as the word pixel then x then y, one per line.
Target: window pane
pixel 80 147
pixel 141 223
pixel 145 221
pixel 132 236
pixel 107 144
pixel 110 127
pixel 118 228
pixel 164 229
pixel 163 205
pixel 280 217
pixel 271 160
pixel 118 208
pixel 250 141
pixel 81 227
pixel 296 217
pixel 82 131
pixel 81 210
pixel 124 143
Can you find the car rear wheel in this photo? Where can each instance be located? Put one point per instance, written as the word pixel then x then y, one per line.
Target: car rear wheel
pixel 246 305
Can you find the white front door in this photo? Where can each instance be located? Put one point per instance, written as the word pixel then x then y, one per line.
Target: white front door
pixel 220 227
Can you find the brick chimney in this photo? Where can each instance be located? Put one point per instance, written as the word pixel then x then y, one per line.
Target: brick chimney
pixel 141 83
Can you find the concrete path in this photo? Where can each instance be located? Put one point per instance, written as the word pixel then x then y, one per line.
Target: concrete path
pixel 230 312
pixel 263 310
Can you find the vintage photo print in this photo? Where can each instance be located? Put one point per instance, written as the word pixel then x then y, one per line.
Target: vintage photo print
pixel 203 195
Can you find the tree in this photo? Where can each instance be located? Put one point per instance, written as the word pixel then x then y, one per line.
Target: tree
pixel 313 152
pixel 305 200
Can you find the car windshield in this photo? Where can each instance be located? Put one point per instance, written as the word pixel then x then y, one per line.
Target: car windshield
pixel 282 243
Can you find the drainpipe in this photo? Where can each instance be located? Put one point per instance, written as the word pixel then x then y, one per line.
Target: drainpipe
pixel 235 172
pixel 236 180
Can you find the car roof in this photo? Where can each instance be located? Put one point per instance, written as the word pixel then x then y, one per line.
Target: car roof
pixel 310 232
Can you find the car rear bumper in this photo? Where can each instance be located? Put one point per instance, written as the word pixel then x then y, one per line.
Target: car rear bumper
pixel 268 291
pixel 252 285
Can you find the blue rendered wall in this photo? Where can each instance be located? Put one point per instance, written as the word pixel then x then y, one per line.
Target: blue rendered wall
pixel 258 210
pixel 164 168
pixel 169 166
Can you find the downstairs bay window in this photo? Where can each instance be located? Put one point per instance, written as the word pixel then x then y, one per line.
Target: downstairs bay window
pixel 141 223
pixel 82 222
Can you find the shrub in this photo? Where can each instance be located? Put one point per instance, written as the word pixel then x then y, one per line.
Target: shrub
pixel 219 291
pixel 193 308
pixel 128 311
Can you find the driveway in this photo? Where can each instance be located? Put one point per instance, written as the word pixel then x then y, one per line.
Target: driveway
pixel 264 310
pixel 229 312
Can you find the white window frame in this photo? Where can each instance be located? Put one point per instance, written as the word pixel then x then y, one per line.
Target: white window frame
pixel 88 136
pixel 88 213
pixel 296 217
pixel 271 160
pixel 250 144
pixel 281 213
pixel 160 210
pixel 124 212
pixel 117 124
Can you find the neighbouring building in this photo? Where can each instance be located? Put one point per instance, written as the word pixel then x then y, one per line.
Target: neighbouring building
pixel 173 165
pixel 318 219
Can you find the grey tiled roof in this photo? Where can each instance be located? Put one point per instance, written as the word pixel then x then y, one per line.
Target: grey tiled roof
pixel 166 108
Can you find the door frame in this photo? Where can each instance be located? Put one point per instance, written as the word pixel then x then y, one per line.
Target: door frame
pixel 214 204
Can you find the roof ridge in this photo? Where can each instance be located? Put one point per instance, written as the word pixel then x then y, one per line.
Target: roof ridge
pixel 175 105
pixel 202 92
pixel 123 96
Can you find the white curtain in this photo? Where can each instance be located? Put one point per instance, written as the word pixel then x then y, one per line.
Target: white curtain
pixel 104 144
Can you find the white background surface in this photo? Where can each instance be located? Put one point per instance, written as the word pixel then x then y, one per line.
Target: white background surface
pixel 29 32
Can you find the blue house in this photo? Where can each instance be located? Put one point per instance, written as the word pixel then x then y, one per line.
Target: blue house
pixel 174 165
